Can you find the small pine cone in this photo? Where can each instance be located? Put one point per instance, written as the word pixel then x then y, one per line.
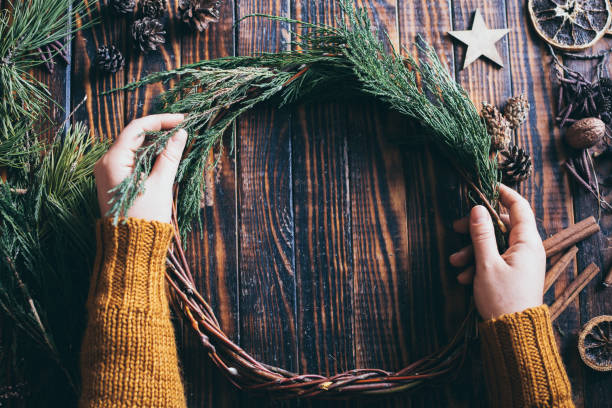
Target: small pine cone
pixel 148 33
pixel 109 59
pixel 515 165
pixel 122 6
pixel 153 8
pixel 497 127
pixel 516 110
pixel 199 13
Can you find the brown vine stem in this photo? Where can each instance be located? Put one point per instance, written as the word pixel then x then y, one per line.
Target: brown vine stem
pixel 245 372
pixel 483 198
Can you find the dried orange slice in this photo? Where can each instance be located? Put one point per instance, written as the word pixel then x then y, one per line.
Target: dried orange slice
pixel 570 24
pixel 595 343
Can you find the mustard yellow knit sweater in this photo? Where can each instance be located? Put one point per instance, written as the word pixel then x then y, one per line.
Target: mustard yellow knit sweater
pixel 129 356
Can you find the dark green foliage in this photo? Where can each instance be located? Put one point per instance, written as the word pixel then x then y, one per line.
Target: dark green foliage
pixel 31 25
pixel 47 248
pixel 347 59
pixel 47 210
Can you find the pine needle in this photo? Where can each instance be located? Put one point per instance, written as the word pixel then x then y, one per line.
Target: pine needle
pixel 346 59
pixel 47 246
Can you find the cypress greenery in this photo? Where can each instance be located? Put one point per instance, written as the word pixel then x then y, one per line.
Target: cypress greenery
pixel 348 58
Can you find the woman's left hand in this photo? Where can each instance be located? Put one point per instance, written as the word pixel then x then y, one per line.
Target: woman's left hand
pixel 155 203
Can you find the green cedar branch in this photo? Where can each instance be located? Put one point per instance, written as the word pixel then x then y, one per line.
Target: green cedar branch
pixel 346 59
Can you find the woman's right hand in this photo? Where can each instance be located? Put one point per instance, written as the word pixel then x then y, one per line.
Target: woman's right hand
pixel 509 282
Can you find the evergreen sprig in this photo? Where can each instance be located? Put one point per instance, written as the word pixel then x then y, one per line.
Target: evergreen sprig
pixel 347 58
pixel 47 246
pixel 26 27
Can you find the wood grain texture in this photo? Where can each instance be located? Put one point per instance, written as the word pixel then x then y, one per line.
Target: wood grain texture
pixel 56 82
pixel 322 225
pixel 103 113
pixel 484 82
pixel 595 299
pixel 324 242
pixel 379 229
pixel 266 253
pixel 212 249
pixel 433 200
pixel 142 101
pixel 548 189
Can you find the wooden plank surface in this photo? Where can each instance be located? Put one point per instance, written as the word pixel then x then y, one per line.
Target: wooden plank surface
pixel 266 251
pixel 324 270
pixel 212 249
pixel 485 82
pixel 379 228
pixel 103 114
pixel 324 243
pixel 595 300
pixel 547 189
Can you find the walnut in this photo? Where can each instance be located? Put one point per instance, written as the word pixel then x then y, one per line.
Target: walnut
pixel 585 133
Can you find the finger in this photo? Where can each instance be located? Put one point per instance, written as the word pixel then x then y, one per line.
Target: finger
pixel 166 164
pixel 506 220
pixel 462 257
pixel 133 135
pixel 523 223
pixel 483 236
pixel 466 277
pixel 462 225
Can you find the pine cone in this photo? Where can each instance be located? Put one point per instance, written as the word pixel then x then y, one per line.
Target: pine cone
pixel 497 127
pixel 148 33
pixel 199 13
pixel 122 6
pixel 516 110
pixel 515 165
pixel 109 59
pixel 153 8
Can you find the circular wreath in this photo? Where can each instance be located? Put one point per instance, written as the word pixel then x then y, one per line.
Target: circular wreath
pixel 245 372
pixel 347 59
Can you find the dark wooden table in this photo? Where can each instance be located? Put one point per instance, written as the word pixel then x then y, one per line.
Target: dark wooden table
pixel 325 244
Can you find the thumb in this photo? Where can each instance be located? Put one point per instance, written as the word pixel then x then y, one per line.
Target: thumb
pixel 483 236
pixel 167 162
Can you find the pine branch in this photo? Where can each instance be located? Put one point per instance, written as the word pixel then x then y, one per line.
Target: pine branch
pixel 348 58
pixel 26 27
pixel 42 284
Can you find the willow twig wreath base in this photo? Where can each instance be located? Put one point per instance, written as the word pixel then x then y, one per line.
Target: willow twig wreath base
pixel 346 59
pixel 246 373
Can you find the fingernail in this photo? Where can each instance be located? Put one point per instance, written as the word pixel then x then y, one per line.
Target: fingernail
pixel 480 214
pixel 180 135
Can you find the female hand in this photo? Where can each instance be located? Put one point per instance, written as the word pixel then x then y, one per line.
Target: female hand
pixel 506 283
pixel 155 203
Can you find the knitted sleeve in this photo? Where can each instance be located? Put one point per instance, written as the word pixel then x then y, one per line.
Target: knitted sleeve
pixel 129 355
pixel 523 367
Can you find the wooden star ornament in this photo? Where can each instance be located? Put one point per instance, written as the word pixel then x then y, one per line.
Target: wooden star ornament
pixel 480 41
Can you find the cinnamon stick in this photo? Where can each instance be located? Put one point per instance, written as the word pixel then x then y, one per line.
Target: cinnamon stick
pixel 608 281
pixel 559 267
pixel 573 290
pixel 570 236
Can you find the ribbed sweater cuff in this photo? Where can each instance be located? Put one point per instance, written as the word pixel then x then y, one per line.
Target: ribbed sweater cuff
pixel 130 273
pixel 522 364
